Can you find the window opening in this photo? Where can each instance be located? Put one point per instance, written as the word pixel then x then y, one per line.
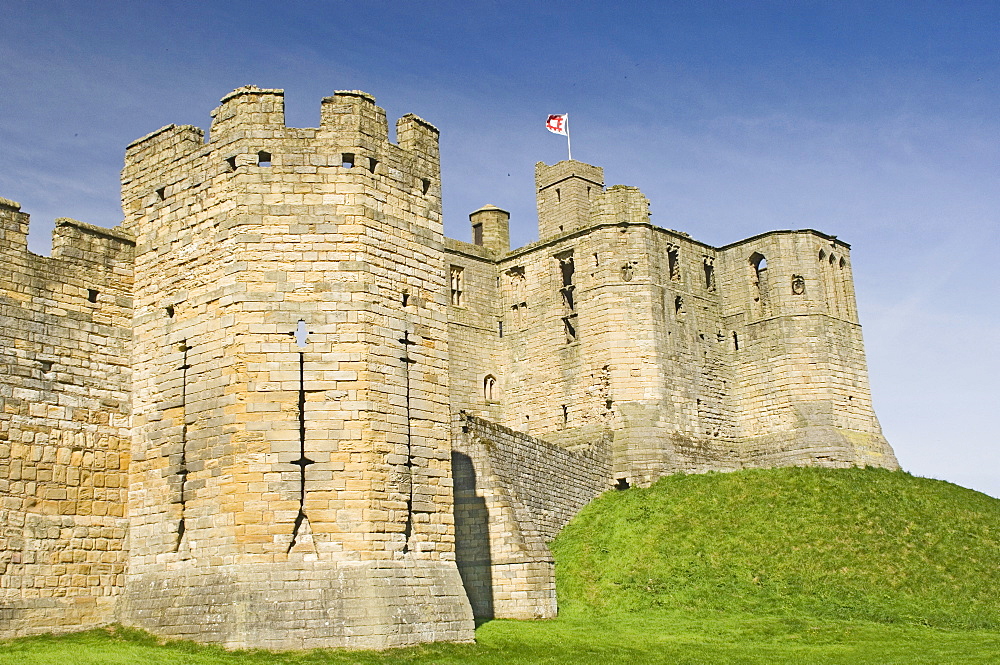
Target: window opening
pixel 425 185
pixel 457 285
pixel 263 158
pixel 347 160
pixel 489 388
pixel 477 234
pixel 372 163
pixel 569 326
pixel 231 162
pixel 678 305
pixel 558 195
pixel 822 255
pixel 621 484
pixel 842 262
pixel 92 295
pixel 565 414
pixel 170 311
pixel 736 341
pixel 673 263
pixel 161 193
pixel 566 269
pixel 500 328
pixel 709 265
pixel 406 298
pixel 759 266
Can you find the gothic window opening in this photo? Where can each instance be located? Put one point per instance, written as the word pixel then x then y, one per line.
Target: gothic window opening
pixel 457 285
pixel 673 263
pixel 566 271
pixel 709 266
pixel 758 264
pixel 490 389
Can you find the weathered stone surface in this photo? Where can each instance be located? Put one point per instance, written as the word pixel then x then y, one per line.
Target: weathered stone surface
pixel 239 417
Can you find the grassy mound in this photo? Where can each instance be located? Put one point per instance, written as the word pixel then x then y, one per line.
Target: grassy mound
pixel 864 544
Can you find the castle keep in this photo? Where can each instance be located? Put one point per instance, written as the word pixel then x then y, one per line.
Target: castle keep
pixel 277 408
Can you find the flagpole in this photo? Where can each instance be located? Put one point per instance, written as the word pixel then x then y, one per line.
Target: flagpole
pixel 569 146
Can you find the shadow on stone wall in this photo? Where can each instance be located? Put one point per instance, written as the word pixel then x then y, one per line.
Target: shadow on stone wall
pixel 472 538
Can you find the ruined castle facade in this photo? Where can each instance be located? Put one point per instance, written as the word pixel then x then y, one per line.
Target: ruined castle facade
pixel 277 408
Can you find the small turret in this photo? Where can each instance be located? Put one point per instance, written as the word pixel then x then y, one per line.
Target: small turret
pixel 490 228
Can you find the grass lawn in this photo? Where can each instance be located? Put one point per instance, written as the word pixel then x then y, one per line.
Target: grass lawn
pixel 803 566
pixel 638 637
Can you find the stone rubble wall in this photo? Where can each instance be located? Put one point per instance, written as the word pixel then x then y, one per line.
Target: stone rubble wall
pixel 65 329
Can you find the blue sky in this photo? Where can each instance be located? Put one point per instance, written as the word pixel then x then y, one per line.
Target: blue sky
pixel 874 121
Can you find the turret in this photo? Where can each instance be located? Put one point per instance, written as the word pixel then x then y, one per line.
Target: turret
pixel 490 228
pixel 565 192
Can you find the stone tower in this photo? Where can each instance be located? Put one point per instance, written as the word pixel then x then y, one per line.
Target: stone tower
pixel 290 482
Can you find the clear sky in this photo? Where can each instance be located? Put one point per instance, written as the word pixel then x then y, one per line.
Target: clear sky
pixel 874 121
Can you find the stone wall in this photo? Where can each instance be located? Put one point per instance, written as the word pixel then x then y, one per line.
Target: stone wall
pixel 64 406
pixel 513 493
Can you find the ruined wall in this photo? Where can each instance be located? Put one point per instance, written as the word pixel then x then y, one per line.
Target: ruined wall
pixel 291 479
pixel 513 493
pixel 64 407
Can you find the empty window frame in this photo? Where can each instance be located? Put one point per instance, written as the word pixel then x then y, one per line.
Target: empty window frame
pixel 457 285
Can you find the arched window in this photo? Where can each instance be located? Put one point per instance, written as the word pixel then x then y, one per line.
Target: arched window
pixel 758 265
pixel 490 388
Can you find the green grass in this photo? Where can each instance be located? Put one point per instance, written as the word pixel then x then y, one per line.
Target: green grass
pixel 864 544
pixel 677 638
pixel 758 567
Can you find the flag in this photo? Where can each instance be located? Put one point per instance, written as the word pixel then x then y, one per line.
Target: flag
pixel 558 124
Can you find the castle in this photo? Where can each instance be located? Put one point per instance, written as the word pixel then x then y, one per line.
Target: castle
pixel 277 408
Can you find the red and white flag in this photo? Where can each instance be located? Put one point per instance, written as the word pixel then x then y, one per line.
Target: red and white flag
pixel 558 124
